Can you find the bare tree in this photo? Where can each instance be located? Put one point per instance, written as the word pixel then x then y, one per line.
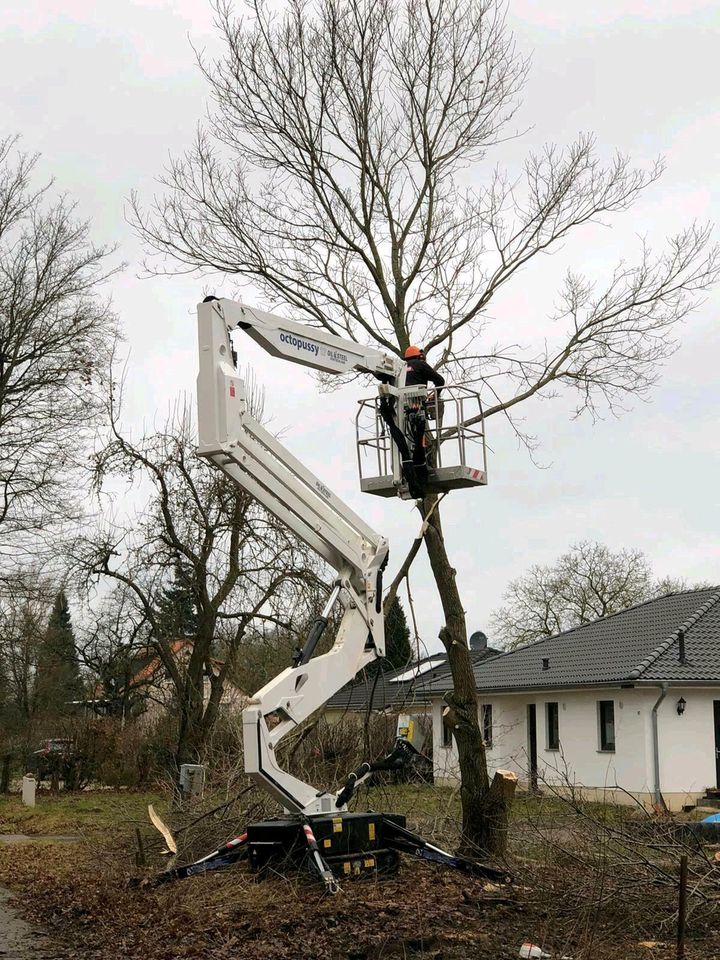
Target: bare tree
pixel 586 583
pixel 110 640
pixel 239 567
pixel 56 338
pixel 25 602
pixel 331 175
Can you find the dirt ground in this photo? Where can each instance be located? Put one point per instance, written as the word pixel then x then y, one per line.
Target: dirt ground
pixel 96 905
pixel 86 902
pixel 18 940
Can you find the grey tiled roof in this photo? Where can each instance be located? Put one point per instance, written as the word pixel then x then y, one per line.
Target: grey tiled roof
pixel 386 694
pixel 641 643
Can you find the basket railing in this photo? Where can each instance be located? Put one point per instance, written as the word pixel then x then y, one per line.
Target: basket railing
pixel 454 423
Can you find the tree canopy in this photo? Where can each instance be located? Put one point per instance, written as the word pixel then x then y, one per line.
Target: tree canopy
pixel 588 582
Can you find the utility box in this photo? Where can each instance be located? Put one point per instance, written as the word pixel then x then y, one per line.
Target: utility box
pixel 409 730
pixel 192 780
pixel 29 788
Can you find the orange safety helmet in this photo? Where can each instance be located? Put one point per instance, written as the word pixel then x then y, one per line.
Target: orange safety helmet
pixel 413 352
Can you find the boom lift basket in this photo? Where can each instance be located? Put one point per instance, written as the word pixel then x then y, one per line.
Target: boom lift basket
pixel 455 434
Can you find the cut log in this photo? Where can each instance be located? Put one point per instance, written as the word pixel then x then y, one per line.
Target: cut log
pixel 502 788
pixel 496 811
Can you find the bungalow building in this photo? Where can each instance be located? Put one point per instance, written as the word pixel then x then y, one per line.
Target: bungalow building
pixel 626 708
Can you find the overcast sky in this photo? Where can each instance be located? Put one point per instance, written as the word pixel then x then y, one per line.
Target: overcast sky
pixel 106 91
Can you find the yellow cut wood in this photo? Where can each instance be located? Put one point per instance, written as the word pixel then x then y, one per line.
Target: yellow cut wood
pixel 164 830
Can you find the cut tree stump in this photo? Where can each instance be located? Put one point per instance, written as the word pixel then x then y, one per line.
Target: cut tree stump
pixel 503 786
pixel 496 808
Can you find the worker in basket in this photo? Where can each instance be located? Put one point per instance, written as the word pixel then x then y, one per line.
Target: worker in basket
pixel 418 372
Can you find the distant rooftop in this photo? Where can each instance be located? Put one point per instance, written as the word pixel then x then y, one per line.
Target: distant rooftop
pixel 673 638
pixel 398 689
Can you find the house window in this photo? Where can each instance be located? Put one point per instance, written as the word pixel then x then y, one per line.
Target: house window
pixel 486 716
pixel 447 730
pixel 552 725
pixel 606 722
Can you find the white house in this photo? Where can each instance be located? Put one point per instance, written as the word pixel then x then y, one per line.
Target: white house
pixel 627 706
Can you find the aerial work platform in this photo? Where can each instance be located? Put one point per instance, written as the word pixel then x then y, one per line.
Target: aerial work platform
pixel 440 480
pixel 453 441
pixel 410 443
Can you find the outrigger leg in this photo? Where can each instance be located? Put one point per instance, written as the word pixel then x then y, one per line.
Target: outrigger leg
pixel 401 839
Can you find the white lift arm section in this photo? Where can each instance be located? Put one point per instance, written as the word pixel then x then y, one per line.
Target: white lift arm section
pixel 236 443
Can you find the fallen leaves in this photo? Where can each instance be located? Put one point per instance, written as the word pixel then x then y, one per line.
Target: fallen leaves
pixel 85 895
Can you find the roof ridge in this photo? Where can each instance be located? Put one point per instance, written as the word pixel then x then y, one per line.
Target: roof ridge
pixel 609 616
pixel 665 645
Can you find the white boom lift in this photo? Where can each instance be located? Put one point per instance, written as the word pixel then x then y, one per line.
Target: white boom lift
pixel 234 441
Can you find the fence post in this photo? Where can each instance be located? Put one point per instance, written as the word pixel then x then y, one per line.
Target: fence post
pixel 682 907
pixel 29 785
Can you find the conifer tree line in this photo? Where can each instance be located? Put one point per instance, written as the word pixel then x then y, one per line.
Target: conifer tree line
pixel 40 674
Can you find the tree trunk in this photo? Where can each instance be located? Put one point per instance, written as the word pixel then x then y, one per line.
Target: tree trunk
pixel 194 727
pixel 190 731
pixel 484 815
pixel 5 773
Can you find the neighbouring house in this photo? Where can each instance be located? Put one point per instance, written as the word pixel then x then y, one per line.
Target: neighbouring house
pixel 149 684
pixel 403 690
pixel 159 689
pixel 626 707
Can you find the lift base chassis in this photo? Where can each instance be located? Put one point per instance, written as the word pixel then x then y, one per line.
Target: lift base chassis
pixel 331 847
pixel 352 844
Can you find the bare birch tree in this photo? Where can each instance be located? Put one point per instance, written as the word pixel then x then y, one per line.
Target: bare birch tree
pixel 333 175
pixel 56 338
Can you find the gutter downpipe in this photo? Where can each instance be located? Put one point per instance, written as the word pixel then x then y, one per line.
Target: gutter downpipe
pixel 659 799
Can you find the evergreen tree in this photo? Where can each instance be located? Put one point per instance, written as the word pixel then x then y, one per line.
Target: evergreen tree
pixel 58 679
pixel 398 651
pixel 177 609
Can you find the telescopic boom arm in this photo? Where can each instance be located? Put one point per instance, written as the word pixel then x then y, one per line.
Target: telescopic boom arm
pixel 305 345
pixel 236 443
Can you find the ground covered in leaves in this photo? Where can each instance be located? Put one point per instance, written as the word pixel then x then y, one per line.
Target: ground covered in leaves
pixel 93 899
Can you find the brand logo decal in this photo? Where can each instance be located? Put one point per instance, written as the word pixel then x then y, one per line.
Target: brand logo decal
pixel 323 490
pixel 299 343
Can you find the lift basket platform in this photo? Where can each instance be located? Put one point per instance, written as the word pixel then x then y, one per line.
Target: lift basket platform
pixel 455 439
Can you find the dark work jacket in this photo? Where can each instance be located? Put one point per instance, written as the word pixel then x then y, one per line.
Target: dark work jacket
pixel 419 372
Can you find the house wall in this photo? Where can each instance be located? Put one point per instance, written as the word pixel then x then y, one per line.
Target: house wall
pixel 160 700
pixel 687 758
pixel 687 743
